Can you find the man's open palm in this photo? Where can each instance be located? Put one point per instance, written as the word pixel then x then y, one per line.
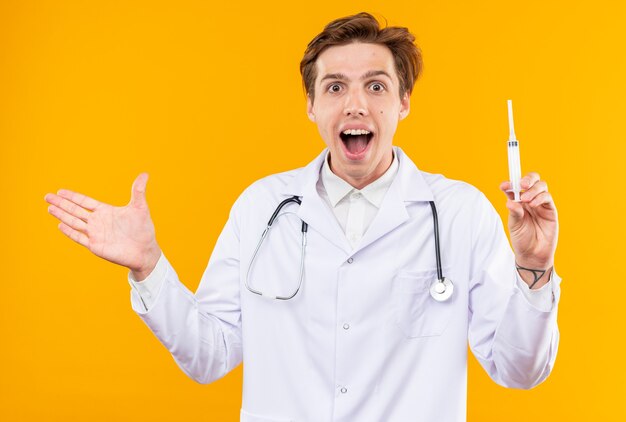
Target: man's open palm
pixel 123 235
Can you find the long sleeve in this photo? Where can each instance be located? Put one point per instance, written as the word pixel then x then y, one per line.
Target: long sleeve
pixel 148 289
pixel 201 331
pixel 542 298
pixel 515 340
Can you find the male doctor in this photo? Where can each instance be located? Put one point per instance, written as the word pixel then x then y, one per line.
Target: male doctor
pixel 357 334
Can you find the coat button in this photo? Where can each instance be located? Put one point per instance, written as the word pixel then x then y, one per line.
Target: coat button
pixel 344 390
pixel 346 326
pixel 350 260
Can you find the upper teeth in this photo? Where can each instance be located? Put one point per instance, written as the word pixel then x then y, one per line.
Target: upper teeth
pixel 356 132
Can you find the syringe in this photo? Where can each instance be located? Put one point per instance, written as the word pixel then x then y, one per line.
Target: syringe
pixel 515 168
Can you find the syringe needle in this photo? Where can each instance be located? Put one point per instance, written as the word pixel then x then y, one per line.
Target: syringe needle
pixel 511 124
pixel 515 170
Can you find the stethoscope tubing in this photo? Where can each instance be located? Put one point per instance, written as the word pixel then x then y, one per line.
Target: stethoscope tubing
pixel 304 230
pixel 441 290
pixel 437 248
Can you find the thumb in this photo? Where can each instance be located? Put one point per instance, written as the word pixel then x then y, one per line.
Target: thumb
pixel 516 212
pixel 138 192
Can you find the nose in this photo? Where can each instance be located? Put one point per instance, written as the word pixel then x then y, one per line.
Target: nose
pixel 356 104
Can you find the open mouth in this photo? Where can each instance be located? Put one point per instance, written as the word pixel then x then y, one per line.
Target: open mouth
pixel 356 140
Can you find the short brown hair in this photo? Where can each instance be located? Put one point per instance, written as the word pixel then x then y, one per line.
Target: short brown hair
pixel 364 27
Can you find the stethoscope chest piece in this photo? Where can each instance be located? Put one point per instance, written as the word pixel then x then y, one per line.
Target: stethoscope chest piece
pixel 441 290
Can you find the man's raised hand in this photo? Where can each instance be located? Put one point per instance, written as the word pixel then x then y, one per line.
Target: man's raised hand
pixel 533 226
pixel 122 235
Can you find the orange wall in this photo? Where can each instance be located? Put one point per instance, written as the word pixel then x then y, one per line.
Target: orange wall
pixel 207 99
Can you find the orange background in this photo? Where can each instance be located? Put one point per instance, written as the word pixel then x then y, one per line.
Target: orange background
pixel 206 97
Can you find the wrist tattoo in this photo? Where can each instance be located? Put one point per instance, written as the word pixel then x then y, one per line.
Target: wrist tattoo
pixel 537 274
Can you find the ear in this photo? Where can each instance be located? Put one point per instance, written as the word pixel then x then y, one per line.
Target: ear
pixel 405 105
pixel 309 108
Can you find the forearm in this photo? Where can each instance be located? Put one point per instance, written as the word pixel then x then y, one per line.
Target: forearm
pixel 535 276
pixel 521 350
pixel 203 346
pixel 525 343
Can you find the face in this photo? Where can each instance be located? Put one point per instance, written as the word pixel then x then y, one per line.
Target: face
pixel 357 109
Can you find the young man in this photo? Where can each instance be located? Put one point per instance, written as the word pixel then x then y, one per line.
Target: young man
pixel 360 324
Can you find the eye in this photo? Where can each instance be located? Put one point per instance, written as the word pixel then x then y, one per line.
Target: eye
pixel 377 87
pixel 333 88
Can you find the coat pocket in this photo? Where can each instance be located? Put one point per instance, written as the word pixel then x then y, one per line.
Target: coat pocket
pixel 417 314
pixel 249 417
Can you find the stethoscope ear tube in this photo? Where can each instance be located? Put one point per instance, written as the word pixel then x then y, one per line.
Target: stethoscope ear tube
pixel 280 207
pixel 304 230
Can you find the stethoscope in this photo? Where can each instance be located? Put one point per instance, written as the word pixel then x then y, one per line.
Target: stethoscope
pixel 440 290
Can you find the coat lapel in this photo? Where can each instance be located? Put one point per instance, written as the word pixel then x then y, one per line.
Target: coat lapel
pixel 392 213
pixel 408 186
pixel 314 211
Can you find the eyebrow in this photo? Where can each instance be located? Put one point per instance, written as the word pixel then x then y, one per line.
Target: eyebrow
pixel 372 73
pixel 367 75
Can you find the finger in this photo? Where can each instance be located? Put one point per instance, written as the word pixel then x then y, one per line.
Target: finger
pixel 505 187
pixel 529 180
pixel 68 219
pixel 138 192
pixel 68 206
pixel 530 194
pixel 516 210
pixel 75 235
pixel 543 199
pixel 80 199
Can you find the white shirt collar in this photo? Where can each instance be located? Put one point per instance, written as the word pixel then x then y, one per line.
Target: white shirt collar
pixel 337 188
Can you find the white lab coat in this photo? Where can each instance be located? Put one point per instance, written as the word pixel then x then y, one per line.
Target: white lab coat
pixel 363 340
